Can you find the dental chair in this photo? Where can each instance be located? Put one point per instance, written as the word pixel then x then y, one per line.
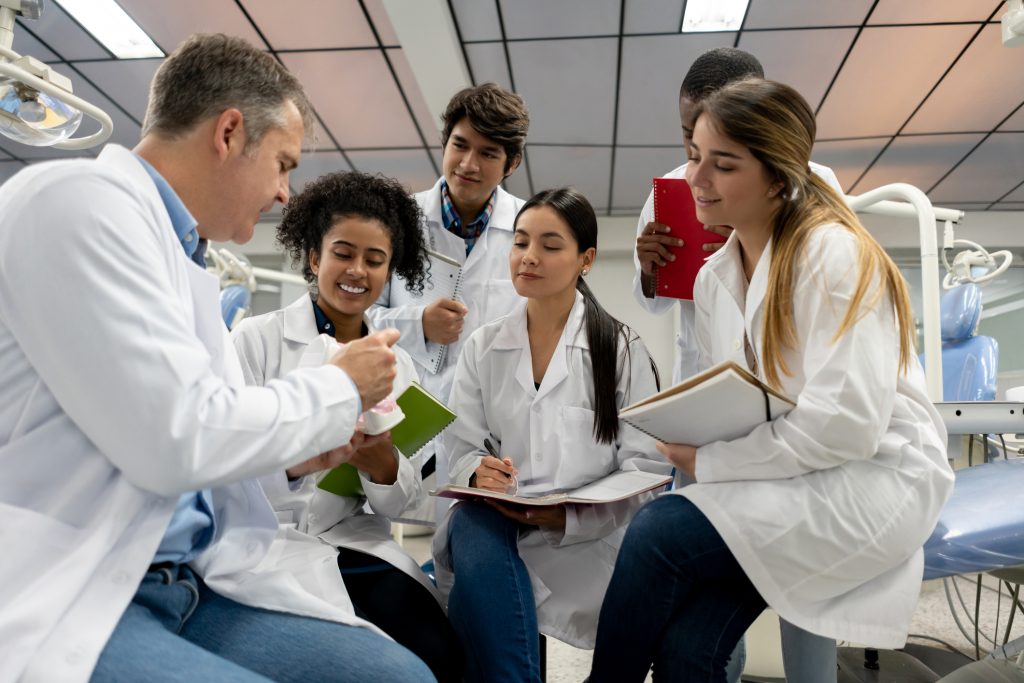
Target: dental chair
pixel 980 529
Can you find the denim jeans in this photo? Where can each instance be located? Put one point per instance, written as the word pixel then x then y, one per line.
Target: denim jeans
pixel 177 629
pixel 491 604
pixel 677 599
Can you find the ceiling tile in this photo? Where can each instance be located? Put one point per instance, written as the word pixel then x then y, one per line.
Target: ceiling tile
pixel 488 64
pixel 991 171
pixel 653 16
pixel 26 44
pixel 311 24
pixel 315 164
pixel 1016 196
pixel 870 97
pixel 569 86
pixel 125 81
pixel 983 74
pixel 585 168
pixel 918 160
pixel 848 158
pixel 518 183
pixel 810 77
pixel 546 19
pixel 652 70
pixel 477 20
pixel 9 168
pixel 635 167
pixel 1009 206
pixel 382 22
pixel 903 12
pixel 411 167
pixel 1016 121
pixel 318 141
pixel 356 97
pixel 168 29
pixel 793 13
pixel 428 124
pixel 64 36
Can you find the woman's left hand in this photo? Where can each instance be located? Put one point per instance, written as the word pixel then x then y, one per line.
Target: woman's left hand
pixel 547 516
pixel 682 456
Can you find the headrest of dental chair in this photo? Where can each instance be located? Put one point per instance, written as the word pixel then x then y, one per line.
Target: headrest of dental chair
pixel 960 312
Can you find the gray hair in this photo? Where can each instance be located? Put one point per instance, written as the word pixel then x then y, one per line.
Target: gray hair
pixel 210 73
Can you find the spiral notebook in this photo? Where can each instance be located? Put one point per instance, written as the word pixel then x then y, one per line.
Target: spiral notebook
pixel 425 418
pixel 445 282
pixel 674 207
pixel 722 403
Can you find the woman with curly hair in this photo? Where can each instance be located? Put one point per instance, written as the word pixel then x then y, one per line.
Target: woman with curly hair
pixel 351 232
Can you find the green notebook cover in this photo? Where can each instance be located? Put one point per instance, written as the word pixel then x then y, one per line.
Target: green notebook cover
pixel 425 418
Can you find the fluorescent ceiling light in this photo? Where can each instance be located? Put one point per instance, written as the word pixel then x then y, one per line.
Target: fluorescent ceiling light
pixel 714 15
pixel 112 26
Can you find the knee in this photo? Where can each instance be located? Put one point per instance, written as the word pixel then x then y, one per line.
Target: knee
pixel 400 665
pixel 656 522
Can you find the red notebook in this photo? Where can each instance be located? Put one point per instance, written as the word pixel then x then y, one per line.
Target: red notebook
pixel 674 207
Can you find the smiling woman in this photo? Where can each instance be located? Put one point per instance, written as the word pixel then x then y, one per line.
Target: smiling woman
pixel 350 232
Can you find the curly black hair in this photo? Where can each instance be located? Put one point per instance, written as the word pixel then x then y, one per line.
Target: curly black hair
pixel 310 215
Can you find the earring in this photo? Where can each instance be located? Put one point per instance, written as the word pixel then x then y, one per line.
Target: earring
pixel 584 271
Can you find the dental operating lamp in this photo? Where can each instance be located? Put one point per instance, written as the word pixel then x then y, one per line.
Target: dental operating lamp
pixel 37 106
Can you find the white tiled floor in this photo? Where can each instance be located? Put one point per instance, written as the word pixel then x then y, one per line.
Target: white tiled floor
pixel 933 618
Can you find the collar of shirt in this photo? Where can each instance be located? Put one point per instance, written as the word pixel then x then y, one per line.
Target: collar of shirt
pixel 181 220
pixel 324 324
pixel 452 221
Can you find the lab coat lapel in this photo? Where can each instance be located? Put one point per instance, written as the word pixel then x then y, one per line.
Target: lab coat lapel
pixel 727 266
pixel 210 327
pixel 756 292
pixel 573 334
pixel 299 321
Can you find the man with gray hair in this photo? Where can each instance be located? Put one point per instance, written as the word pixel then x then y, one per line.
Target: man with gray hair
pixel 137 544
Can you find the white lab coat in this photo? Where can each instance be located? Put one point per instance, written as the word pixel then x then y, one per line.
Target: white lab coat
pixel 487 292
pixel 548 433
pixel 686 343
pixel 119 393
pixel 827 507
pixel 272 345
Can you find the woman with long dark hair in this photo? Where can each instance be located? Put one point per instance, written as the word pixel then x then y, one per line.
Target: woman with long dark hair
pixel 543 386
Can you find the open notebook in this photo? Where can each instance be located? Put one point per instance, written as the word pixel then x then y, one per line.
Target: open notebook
pixel 722 403
pixel 610 489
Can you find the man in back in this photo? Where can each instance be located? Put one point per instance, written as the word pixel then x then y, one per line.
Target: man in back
pixel 136 544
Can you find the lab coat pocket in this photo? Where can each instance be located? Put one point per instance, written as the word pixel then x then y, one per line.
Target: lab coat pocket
pixel 27 533
pixel 581 458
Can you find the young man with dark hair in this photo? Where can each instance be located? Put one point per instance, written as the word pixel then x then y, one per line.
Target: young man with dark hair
pixel 467 217
pixel 808 658
pixel 137 544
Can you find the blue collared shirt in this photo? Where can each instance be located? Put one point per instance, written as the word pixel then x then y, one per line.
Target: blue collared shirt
pixel 453 222
pixel 191 527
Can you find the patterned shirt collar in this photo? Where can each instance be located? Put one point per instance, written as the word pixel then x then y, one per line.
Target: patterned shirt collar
pixel 453 222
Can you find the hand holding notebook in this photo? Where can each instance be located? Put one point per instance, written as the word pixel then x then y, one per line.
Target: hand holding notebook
pixel 674 207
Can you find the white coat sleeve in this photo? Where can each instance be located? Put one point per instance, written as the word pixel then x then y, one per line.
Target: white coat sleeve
pixel 252 357
pixel 659 304
pixel 463 440
pixel 634 451
pixel 846 403
pixel 91 290
pixel 408 320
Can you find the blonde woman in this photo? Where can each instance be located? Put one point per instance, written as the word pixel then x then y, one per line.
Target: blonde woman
pixel 819 514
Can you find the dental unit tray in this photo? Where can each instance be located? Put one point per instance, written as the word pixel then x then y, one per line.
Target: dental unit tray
pixel 982 417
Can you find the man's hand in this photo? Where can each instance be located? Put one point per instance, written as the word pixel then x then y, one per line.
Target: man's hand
pixel 547 516
pixel 652 247
pixel 377 459
pixel 682 456
pixel 442 321
pixel 370 363
pixel 335 456
pixel 723 230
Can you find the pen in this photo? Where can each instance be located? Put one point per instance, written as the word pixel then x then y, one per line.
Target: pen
pixel 514 481
pixel 494 453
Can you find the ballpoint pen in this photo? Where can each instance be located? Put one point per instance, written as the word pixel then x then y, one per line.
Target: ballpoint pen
pixel 514 483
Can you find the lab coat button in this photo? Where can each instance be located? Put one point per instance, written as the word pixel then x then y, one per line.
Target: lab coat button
pixel 312 519
pixel 74 658
pixel 252 548
pixel 737 344
pixel 120 577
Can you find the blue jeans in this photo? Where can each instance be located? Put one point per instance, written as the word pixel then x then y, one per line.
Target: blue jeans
pixel 177 629
pixel 677 599
pixel 491 604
